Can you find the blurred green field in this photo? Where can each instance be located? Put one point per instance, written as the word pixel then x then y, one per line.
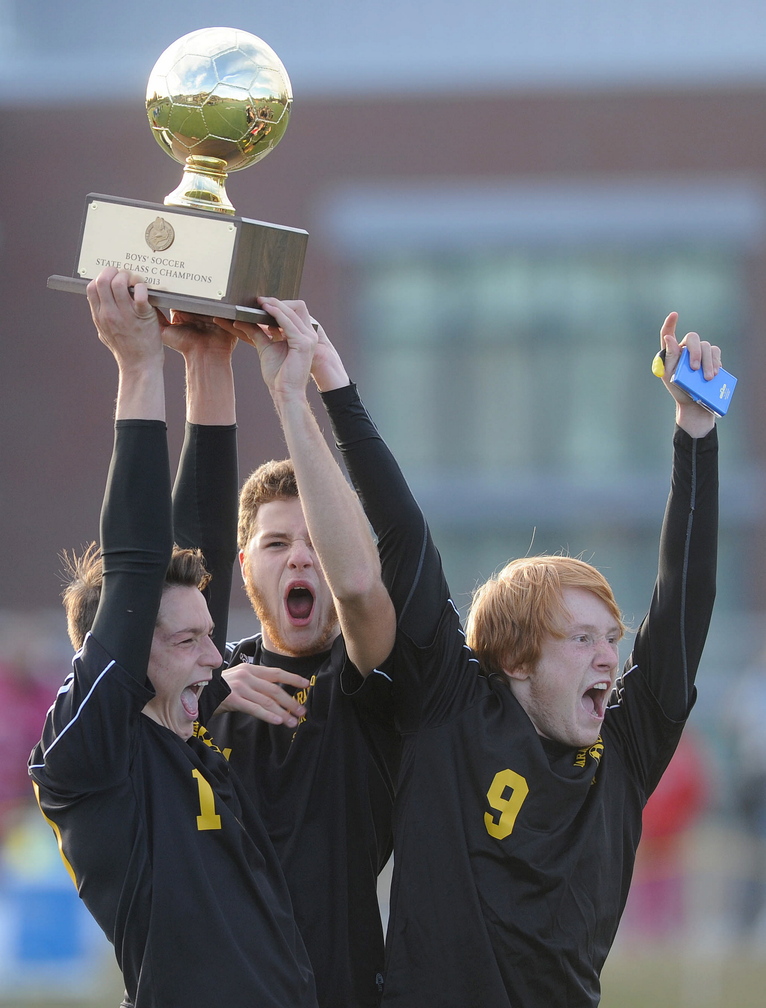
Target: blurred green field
pixel 698 966
pixel 681 980
pixel 106 992
pixel 646 979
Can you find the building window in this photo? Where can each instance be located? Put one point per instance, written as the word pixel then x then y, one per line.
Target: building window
pixel 506 359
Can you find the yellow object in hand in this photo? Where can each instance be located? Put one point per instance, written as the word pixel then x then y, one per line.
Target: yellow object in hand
pixel 658 364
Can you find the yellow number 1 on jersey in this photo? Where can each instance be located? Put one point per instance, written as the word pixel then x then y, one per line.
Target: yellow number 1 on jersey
pixel 208 818
pixel 507 804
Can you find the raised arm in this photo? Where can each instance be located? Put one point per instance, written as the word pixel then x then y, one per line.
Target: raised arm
pixel 207 482
pixel 339 531
pixel 136 538
pixel 669 643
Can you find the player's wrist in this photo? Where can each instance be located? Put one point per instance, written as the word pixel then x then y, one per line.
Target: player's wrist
pixel 694 419
pixel 330 379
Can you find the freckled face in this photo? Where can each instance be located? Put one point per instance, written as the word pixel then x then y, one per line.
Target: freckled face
pixel 285 583
pixel 566 692
pixel 181 660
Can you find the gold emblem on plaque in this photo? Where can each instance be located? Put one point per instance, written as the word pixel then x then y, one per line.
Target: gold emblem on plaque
pixel 160 235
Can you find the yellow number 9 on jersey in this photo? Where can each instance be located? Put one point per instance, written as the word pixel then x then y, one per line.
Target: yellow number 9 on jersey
pixel 506 795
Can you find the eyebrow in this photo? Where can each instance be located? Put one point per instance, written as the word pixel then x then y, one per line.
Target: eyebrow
pixel 590 628
pixel 194 630
pixel 276 534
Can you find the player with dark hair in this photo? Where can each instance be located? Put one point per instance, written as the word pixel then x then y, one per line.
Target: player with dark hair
pixel 523 779
pixel 321 771
pixel 85 576
pixel 160 837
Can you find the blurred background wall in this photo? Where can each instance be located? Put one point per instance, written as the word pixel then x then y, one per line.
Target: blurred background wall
pixel 505 199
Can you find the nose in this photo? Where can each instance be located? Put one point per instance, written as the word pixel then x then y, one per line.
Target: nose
pixel 607 653
pixel 212 656
pixel 301 554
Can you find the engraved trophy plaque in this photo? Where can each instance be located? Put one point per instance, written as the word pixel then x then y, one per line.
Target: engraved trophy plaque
pixel 218 100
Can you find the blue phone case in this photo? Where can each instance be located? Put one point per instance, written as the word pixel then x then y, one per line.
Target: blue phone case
pixel 715 395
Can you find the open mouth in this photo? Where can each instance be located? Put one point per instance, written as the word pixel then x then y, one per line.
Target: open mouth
pixel 594 700
pixel 299 603
pixel 190 698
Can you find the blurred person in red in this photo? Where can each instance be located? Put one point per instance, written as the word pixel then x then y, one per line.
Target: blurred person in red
pixel 30 671
pixel 656 906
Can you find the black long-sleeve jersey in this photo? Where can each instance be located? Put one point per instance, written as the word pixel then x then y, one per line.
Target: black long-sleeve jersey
pixel 158 834
pixel 513 854
pixel 324 790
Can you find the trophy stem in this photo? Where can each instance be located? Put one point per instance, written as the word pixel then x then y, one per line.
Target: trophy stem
pixel 203 186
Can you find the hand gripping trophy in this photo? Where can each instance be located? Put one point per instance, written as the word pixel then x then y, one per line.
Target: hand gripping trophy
pixel 218 100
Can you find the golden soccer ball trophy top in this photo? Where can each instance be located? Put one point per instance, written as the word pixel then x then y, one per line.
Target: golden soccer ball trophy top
pixel 218 100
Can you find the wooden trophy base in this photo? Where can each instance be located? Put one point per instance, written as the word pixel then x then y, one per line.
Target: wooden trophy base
pixel 192 260
pixel 181 302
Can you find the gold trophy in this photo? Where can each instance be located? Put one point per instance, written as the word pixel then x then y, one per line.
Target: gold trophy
pixel 218 100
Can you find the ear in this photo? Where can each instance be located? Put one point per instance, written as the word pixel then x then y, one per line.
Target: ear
pixel 519 672
pixel 242 562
